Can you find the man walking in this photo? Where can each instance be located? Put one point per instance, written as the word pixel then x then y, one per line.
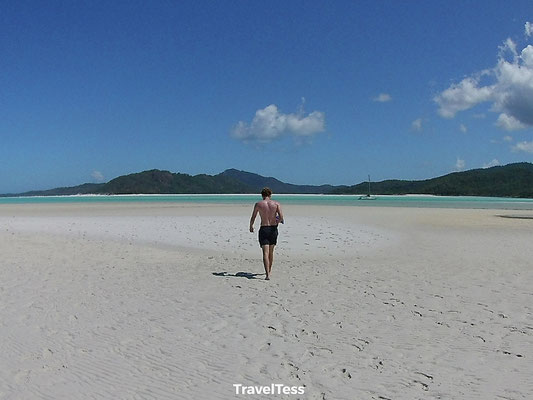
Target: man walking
pixel 271 214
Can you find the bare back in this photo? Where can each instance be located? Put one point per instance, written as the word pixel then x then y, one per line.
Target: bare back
pixel 268 210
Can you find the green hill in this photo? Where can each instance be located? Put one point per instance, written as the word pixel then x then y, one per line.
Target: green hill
pixel 513 180
pixel 165 182
pixel 86 188
pixel 257 182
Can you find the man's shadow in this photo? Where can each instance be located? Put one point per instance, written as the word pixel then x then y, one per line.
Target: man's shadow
pixel 247 275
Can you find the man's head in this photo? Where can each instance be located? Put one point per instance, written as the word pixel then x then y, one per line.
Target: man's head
pixel 266 192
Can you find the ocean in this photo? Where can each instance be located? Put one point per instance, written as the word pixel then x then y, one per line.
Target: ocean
pixel 461 202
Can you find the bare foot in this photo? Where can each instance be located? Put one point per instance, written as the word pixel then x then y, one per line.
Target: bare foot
pixel 267 278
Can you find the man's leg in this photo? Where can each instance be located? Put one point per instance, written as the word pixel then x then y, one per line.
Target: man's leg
pixel 266 260
pixel 270 257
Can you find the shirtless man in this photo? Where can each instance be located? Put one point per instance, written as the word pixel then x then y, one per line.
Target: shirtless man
pixel 271 215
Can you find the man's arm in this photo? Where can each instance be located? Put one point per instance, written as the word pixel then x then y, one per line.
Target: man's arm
pixel 280 213
pixel 252 219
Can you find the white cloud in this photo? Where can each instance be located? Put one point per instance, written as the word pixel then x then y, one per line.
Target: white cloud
pixel 510 90
pixel 492 163
pixel 509 123
pixel 98 176
pixel 270 124
pixel 463 128
pixel 528 28
pixel 526 147
pixel 462 96
pixel 508 47
pixel 460 164
pixel 508 138
pixel 383 98
pixel 416 125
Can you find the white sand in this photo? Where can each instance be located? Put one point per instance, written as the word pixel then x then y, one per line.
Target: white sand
pixel 160 302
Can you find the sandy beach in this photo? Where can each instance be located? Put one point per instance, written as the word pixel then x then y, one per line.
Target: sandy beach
pixel 166 301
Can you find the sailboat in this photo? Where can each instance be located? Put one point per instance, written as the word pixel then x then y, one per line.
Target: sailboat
pixel 368 196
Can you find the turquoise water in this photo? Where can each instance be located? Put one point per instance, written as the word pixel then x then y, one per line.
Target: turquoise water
pixel 341 200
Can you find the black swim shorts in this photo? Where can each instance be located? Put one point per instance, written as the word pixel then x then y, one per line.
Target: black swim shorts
pixel 268 235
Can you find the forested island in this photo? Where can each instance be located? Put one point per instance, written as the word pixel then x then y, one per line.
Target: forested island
pixel 512 180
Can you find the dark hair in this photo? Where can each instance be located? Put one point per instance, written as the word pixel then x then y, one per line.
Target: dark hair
pixel 266 192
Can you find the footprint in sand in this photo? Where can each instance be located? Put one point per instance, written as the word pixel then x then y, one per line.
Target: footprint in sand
pixel 346 373
pixel 265 346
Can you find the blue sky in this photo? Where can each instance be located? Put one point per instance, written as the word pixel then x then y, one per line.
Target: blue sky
pixel 307 91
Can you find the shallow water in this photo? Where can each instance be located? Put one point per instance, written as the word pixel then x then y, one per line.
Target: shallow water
pixel 461 202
